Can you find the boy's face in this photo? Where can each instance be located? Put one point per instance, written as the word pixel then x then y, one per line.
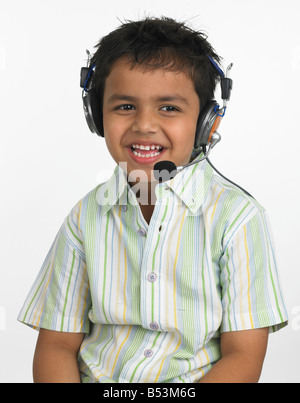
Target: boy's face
pixel 149 109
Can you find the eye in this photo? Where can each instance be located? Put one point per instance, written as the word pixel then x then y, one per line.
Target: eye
pixel 126 107
pixel 169 108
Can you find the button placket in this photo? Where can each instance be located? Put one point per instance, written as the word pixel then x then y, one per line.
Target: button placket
pixel 150 271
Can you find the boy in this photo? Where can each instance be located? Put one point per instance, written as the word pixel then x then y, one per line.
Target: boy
pixel 156 282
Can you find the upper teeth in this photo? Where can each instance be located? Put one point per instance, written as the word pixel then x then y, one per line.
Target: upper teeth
pixel 141 147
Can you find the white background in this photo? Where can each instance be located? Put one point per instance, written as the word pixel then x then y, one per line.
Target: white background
pixel 49 159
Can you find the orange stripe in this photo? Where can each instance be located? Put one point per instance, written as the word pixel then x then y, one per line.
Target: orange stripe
pixel 43 297
pixel 241 282
pixel 166 355
pixel 118 353
pixel 215 205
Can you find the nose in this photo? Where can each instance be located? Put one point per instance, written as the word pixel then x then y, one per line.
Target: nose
pixel 145 122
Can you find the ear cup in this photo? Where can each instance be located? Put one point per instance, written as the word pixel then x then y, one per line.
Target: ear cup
pixel 93 112
pixel 208 123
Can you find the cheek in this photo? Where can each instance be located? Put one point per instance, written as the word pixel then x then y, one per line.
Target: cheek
pixel 113 132
pixel 111 126
pixel 109 145
pixel 112 139
pixel 184 135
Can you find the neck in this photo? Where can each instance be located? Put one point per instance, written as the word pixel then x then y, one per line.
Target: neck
pixel 144 192
pixel 145 195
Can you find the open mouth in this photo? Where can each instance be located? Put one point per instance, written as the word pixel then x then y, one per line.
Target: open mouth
pixel 146 151
pixel 145 154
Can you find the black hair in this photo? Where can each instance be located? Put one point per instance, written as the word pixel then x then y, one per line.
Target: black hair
pixel 158 43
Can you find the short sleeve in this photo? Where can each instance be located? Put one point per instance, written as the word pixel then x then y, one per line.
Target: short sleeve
pixel 251 291
pixel 60 297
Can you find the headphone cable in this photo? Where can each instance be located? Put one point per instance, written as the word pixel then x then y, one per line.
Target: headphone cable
pixel 229 179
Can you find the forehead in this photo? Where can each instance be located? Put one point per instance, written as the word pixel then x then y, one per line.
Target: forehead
pixel 147 80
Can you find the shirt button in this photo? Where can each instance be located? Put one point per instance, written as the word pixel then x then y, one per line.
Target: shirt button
pixel 152 277
pixel 148 353
pixel 124 208
pixel 141 232
pixel 153 326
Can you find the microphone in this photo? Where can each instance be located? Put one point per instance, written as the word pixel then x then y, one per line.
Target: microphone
pixel 164 171
pixel 167 170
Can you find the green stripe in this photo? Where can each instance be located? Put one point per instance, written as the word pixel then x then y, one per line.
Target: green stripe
pixel 74 235
pixel 152 288
pixel 54 293
pixel 189 178
pixel 259 274
pixel 36 293
pixel 204 290
pixel 189 275
pixel 133 256
pixel 134 344
pixel 105 332
pixel 105 268
pixel 271 275
pixel 219 223
pixel 144 359
pixel 153 263
pixel 228 293
pixel 67 292
pixel 237 217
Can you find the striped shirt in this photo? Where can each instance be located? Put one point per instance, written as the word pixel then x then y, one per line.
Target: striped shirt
pixel 153 299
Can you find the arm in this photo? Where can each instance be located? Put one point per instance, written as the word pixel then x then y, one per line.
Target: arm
pixel 55 359
pixel 243 355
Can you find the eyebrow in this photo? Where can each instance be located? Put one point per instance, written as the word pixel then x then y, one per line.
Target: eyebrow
pixel 175 97
pixel 166 98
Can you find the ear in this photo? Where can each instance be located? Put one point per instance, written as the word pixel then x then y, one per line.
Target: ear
pixel 208 123
pixel 93 112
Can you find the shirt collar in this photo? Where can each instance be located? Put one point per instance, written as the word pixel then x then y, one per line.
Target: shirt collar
pixel 115 190
pixel 190 185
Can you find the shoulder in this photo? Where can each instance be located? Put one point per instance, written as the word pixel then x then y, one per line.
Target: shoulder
pixel 227 208
pixel 86 208
pixel 88 200
pixel 232 193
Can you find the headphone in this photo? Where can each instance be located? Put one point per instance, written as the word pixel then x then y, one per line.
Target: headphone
pixel 208 121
